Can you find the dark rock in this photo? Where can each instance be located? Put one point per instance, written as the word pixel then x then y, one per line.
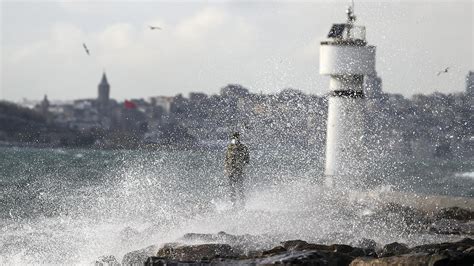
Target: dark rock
pixel 300 245
pixel 360 252
pixel 437 248
pixel 156 261
pixel 469 250
pixel 444 257
pixel 303 253
pixel 274 251
pixel 336 258
pixel 341 248
pixel 455 213
pixel 106 261
pixel 293 244
pixel 466 241
pixel 364 248
pixel 306 258
pixel 167 249
pixel 393 249
pixel 311 246
pixel 138 257
pixel 242 243
pixel 413 218
pixel 417 259
pixel 431 254
pixel 196 252
pixel 452 227
pixel 366 243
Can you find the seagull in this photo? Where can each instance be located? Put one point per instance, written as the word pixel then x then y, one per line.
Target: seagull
pixel 154 28
pixel 86 49
pixel 443 71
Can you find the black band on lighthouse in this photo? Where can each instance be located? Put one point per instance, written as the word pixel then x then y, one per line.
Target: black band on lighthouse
pixel 348 94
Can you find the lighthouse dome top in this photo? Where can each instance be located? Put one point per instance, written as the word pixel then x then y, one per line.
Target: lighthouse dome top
pixel 347 33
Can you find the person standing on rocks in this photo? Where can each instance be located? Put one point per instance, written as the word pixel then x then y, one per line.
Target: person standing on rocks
pixel 237 156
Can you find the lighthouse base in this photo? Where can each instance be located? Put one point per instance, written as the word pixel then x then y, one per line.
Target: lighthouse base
pixel 345 143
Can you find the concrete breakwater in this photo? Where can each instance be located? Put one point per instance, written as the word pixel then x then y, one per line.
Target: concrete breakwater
pixel 428 203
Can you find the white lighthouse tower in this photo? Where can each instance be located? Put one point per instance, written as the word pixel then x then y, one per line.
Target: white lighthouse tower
pixel 346 57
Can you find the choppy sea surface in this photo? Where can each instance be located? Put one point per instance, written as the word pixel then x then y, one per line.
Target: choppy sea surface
pixel 65 206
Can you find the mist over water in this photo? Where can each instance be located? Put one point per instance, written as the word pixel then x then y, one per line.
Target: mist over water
pixel 72 206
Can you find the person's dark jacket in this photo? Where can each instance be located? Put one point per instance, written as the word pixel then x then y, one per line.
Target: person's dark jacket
pixel 237 156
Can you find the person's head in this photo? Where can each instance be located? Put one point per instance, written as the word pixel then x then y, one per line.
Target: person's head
pixel 235 137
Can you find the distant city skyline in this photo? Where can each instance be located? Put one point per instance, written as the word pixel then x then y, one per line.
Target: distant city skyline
pixel 264 46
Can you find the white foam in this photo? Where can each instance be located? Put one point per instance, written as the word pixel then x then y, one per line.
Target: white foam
pixel 465 175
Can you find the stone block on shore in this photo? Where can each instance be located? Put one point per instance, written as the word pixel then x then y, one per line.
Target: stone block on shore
pixel 299 252
pixel 455 213
pixel 138 257
pixel 417 259
pixel 393 249
pixel 196 252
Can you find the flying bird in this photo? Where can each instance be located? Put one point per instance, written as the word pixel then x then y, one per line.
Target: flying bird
pixel 86 49
pixel 443 71
pixel 154 28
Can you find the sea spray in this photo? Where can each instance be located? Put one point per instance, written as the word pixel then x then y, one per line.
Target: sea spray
pixel 60 209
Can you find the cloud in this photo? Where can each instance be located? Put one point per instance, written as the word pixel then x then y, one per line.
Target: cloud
pixel 185 55
pixel 84 7
pixel 62 40
pixel 117 36
pixel 265 46
pixel 64 37
pixel 200 26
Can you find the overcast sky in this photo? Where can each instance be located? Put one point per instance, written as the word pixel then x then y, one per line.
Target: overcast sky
pixel 265 46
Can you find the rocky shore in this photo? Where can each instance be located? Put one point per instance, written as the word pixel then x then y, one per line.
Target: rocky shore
pixel 228 249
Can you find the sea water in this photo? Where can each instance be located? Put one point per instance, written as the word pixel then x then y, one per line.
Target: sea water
pixel 68 206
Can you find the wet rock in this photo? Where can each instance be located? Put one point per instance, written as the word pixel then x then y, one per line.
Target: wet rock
pixel 300 245
pixel 287 258
pixel 341 248
pixel 364 248
pixel 440 257
pixel 459 246
pixel 452 227
pixel 431 254
pixel 293 244
pixel 406 260
pixel 306 258
pixel 138 257
pixel 243 243
pixel 301 252
pixel 106 261
pixel 274 251
pixel 156 261
pixel 455 213
pixel 393 249
pixel 196 252
pixel 413 218
pixel 366 243
pixel 469 250
pixel 360 252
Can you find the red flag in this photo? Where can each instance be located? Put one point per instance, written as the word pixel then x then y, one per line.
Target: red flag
pixel 129 104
